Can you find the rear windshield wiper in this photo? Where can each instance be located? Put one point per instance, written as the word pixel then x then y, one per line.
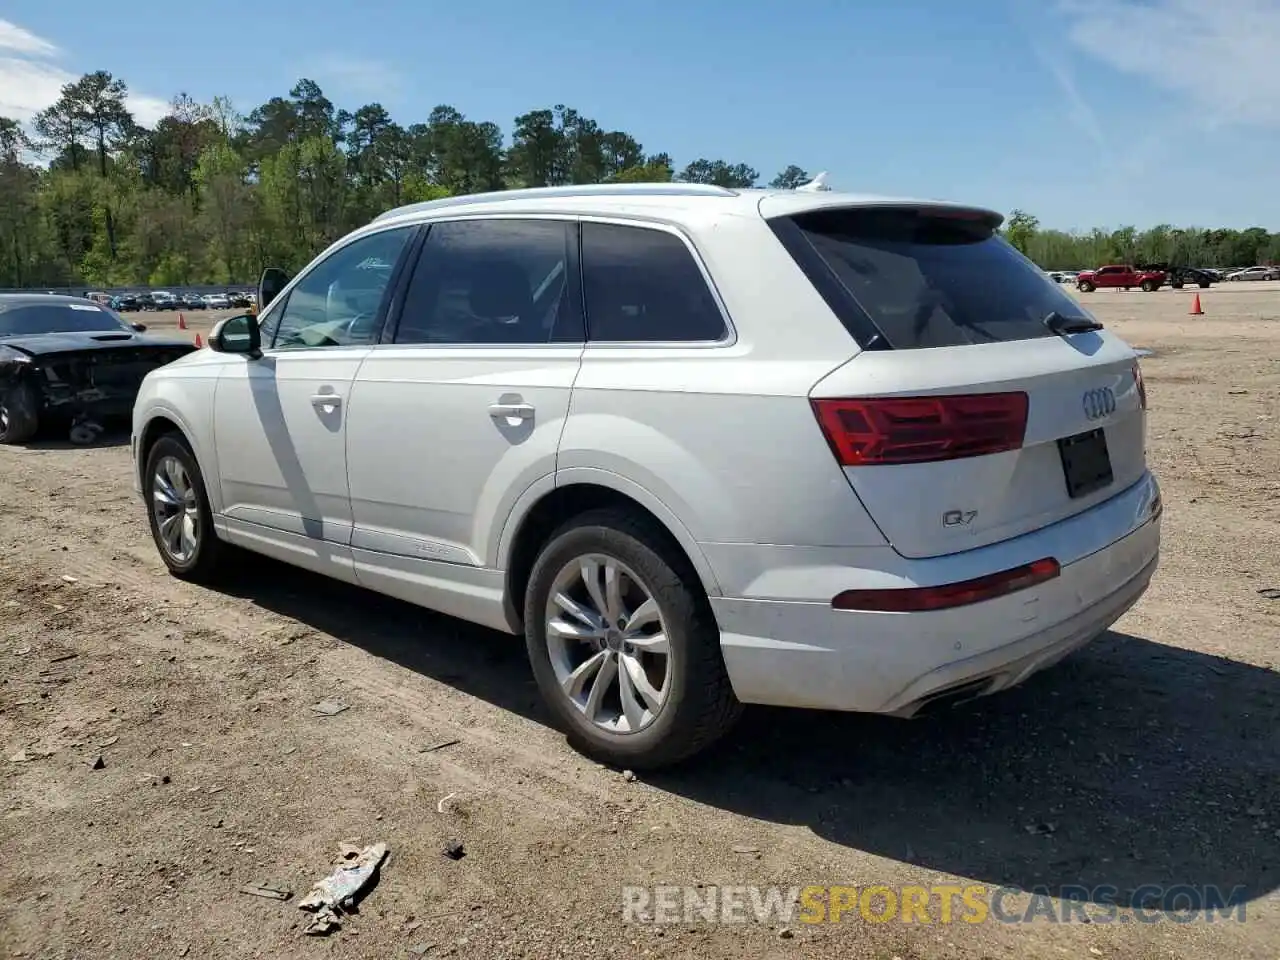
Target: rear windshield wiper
pixel 1062 326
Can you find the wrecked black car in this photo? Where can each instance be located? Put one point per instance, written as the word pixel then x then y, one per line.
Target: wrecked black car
pixel 73 363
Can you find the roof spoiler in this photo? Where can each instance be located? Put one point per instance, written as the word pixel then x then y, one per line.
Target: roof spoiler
pixel 817 185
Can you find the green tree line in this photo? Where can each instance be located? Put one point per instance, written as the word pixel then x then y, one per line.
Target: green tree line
pixel 88 196
pixel 1179 246
pixel 212 196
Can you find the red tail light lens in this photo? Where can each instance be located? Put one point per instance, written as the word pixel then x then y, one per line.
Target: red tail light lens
pixel 918 599
pixel 888 430
pixel 1142 387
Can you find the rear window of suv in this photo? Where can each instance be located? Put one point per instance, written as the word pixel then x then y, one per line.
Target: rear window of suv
pixel 912 278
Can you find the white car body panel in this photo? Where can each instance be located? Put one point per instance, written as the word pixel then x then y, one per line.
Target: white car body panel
pixel 1007 494
pixel 418 492
pixel 783 642
pixel 442 410
pixel 183 396
pixel 280 433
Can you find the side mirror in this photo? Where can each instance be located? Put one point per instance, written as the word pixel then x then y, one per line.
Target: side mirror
pixel 273 281
pixel 237 335
pixel 139 327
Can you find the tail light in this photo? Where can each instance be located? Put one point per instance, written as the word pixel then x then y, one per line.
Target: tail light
pixel 918 599
pixel 1142 387
pixel 889 430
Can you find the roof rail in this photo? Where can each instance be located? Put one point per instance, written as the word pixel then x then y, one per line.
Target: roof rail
pixel 579 190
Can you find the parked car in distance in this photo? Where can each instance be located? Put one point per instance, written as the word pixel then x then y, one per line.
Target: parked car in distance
pixel 1255 273
pixel 1179 277
pixel 125 303
pixel 67 359
pixel 164 300
pixel 217 301
pixel 1120 276
pixel 190 301
pixel 240 299
pixel 571 414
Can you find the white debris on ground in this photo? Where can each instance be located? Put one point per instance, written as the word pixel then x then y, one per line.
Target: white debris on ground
pixel 336 892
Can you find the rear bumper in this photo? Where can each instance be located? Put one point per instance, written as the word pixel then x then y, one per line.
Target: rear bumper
pixel 800 652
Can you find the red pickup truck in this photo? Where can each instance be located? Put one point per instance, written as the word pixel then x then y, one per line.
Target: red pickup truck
pixel 1120 275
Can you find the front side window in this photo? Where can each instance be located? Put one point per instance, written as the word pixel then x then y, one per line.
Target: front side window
pixel 643 285
pixel 339 302
pixel 493 282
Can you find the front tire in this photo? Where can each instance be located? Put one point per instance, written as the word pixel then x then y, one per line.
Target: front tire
pixel 623 643
pixel 178 511
pixel 19 414
pixel 1086 287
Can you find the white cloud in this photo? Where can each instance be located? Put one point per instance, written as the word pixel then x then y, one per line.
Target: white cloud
pixel 1078 109
pixel 1223 58
pixel 148 111
pixel 1042 36
pixel 14 37
pixel 371 79
pixel 31 79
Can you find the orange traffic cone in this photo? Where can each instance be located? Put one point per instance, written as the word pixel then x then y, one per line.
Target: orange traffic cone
pixel 1195 307
pixel 199 342
pixel 182 322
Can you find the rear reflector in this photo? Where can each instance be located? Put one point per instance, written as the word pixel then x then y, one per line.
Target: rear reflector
pixel 918 599
pixel 889 430
pixel 1142 387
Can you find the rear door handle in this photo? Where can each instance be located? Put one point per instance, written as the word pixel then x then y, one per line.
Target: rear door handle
pixel 511 411
pixel 326 400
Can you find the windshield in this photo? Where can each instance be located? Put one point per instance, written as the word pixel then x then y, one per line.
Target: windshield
pixel 929 280
pixel 28 319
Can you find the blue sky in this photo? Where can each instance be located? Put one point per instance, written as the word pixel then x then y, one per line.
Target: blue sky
pixel 1083 112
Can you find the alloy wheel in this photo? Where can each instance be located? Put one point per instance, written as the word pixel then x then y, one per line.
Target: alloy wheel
pixel 608 643
pixel 176 508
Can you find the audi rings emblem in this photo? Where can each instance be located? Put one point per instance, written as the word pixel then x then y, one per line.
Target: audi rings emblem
pixel 1099 403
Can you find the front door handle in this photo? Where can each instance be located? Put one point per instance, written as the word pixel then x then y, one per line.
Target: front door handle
pixel 326 400
pixel 511 411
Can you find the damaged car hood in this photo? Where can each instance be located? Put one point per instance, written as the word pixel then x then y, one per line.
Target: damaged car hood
pixel 46 343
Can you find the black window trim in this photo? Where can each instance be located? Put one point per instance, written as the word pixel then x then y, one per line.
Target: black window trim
pixel 865 332
pixel 281 302
pixel 730 336
pixel 573 271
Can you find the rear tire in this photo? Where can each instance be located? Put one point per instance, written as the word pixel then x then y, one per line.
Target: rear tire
pixel 1148 286
pixel 19 413
pixel 627 723
pixel 178 512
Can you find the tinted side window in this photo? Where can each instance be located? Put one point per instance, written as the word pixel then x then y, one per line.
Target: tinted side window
pixel 339 302
pixel 493 281
pixel 644 285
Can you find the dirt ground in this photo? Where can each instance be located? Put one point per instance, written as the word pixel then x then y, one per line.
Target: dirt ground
pixel 1150 757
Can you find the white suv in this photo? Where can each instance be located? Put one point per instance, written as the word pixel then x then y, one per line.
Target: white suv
pixel 701 447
